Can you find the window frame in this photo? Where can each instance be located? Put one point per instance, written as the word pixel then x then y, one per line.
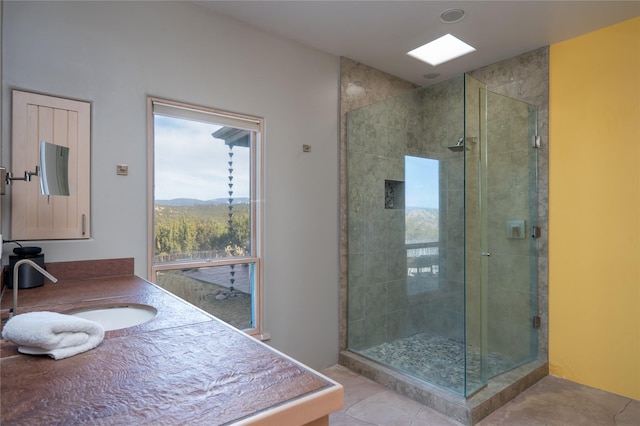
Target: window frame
pixel 256 205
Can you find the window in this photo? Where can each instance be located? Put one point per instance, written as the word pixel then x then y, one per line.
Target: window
pixel 205 186
pixel 422 223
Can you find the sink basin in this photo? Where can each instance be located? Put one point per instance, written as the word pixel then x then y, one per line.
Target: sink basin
pixel 115 317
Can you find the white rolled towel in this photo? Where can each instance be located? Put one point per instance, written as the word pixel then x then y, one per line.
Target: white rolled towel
pixel 50 333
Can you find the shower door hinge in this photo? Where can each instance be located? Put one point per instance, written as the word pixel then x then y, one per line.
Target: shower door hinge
pixel 536 322
pixel 536 141
pixel 535 232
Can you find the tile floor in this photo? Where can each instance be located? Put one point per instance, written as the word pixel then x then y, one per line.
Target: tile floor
pixel 550 402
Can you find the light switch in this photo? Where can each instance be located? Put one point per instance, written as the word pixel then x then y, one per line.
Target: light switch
pixel 516 229
pixel 122 169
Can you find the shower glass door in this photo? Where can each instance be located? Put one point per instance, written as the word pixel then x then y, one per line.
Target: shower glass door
pixel 508 215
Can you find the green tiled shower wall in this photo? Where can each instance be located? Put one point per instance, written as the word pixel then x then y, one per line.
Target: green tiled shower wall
pixel 422 123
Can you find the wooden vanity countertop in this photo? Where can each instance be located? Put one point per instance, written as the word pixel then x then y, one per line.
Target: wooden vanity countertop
pixel 182 367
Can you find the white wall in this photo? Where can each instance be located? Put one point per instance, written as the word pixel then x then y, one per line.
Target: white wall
pixel 115 54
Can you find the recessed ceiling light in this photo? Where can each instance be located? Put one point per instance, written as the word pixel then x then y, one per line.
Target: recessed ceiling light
pixel 441 50
pixel 451 16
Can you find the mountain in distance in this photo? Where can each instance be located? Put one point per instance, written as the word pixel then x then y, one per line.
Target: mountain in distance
pixel 434 209
pixel 421 224
pixel 196 202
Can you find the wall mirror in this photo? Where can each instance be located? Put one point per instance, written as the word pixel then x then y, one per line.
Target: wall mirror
pixel 54 166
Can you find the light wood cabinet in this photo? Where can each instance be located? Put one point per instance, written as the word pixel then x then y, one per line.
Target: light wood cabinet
pixel 63 122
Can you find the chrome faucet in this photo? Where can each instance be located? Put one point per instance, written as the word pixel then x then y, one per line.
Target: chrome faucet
pixel 15 281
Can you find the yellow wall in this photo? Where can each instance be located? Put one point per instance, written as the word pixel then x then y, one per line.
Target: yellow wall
pixel 594 209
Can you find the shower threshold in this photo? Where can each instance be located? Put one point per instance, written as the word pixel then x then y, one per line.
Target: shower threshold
pixel 468 411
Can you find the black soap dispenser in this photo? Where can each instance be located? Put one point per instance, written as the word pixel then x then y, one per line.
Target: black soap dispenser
pixel 28 277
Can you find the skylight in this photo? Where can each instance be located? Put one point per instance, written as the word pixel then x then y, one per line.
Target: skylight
pixel 441 50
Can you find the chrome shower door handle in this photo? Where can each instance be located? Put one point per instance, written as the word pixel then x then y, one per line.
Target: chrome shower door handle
pixel 486 253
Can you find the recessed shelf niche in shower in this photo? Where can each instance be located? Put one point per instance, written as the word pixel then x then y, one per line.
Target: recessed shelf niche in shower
pixel 393 194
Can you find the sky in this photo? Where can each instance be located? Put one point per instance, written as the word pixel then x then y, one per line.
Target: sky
pixel 421 182
pixel 190 163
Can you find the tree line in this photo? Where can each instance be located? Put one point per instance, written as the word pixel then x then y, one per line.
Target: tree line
pixel 186 229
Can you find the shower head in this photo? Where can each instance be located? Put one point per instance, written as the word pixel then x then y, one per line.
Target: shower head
pixel 464 142
pixel 458 146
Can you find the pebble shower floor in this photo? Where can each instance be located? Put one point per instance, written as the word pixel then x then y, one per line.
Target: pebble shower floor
pixel 438 360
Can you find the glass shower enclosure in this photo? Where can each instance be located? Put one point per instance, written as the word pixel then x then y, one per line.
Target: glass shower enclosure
pixel 442 250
